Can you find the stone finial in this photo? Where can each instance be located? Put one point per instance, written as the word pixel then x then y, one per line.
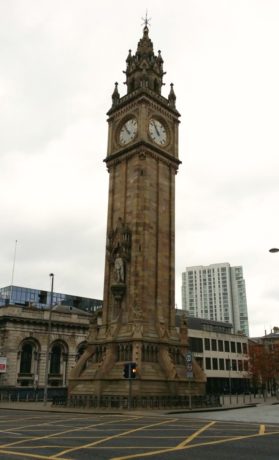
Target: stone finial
pixel 172 97
pixel 115 95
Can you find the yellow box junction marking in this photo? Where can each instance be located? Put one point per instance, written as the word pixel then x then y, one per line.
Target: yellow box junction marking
pixel 169 449
pixel 124 433
pixel 48 436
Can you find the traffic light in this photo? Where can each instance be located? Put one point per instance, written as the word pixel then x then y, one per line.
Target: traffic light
pixel 130 370
pixel 133 372
pixel 126 371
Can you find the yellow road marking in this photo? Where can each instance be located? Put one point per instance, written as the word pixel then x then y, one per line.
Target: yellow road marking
pixel 168 449
pixel 262 429
pixel 24 454
pixel 41 424
pixel 235 438
pixel 194 435
pixel 37 456
pixel 48 436
pixel 124 433
pixel 192 446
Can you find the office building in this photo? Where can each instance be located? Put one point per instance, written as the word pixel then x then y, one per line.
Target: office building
pixel 222 354
pixel 216 292
pixel 17 295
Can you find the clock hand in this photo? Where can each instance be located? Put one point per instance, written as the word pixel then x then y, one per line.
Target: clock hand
pixel 156 129
pixel 129 132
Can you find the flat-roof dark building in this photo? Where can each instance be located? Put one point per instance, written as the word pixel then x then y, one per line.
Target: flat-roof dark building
pixel 17 295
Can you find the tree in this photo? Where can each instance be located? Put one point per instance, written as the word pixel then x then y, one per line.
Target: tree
pixel 264 365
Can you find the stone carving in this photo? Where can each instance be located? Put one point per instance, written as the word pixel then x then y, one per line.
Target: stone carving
pixel 167 363
pixel 137 313
pixel 137 330
pixel 162 330
pixel 119 254
pixel 119 269
pixel 183 330
pixel 119 243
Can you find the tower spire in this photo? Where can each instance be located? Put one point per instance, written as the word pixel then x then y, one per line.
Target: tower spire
pixel 146 20
pixel 144 69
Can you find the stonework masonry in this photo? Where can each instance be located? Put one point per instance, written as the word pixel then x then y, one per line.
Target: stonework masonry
pixel 24 331
pixel 138 315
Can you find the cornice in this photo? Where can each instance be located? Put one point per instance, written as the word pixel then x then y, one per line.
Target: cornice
pixel 142 148
pixel 141 94
pixel 40 321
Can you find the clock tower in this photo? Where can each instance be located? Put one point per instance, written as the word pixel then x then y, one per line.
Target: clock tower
pixel 137 324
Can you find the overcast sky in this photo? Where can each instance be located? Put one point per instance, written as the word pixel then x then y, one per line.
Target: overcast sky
pixel 59 60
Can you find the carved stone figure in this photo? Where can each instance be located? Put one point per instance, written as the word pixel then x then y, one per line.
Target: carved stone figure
pixel 119 273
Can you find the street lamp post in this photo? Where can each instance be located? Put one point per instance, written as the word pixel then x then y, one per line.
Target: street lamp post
pixel 48 339
pixel 230 380
pixel 275 250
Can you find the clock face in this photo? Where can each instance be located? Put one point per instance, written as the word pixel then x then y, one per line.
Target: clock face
pixel 128 131
pixel 157 131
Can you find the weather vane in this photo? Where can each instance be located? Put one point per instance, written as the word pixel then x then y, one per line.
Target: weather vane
pixel 146 20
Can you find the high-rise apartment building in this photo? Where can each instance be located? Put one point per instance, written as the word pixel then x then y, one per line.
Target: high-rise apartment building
pixel 216 292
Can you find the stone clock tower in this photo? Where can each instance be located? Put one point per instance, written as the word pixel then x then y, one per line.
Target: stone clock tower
pixel 138 317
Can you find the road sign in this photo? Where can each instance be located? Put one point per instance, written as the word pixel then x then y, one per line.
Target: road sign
pixel 189 364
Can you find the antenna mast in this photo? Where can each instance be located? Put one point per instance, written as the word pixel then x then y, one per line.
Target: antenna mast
pixel 13 271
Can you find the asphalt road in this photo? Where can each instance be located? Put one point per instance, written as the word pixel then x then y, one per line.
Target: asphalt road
pixel 44 435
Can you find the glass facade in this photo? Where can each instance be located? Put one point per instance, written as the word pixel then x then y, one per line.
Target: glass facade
pixel 16 295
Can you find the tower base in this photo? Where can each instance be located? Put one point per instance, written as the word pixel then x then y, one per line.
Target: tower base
pixel 161 371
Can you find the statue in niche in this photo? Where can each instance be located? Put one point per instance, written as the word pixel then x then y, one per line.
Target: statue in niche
pixel 119 274
pixel 119 254
pixel 119 249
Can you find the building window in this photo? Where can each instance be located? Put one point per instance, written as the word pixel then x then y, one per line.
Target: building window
pixel 199 361
pixel 26 359
pixel 228 364
pixel 238 347
pixel 232 347
pixel 234 368
pixel 55 361
pixel 208 363
pixel 215 363
pixel 240 367
pixel 195 344
pixel 221 364
pixel 244 348
pixel 214 345
pixel 227 346
pixel 207 344
pixel 220 345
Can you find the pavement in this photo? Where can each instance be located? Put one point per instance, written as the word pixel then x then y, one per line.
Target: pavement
pixel 228 403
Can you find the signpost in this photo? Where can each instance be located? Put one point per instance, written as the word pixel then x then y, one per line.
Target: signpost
pixel 189 373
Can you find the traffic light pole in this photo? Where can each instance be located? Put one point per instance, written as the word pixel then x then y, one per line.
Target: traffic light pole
pixel 129 372
pixel 130 394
